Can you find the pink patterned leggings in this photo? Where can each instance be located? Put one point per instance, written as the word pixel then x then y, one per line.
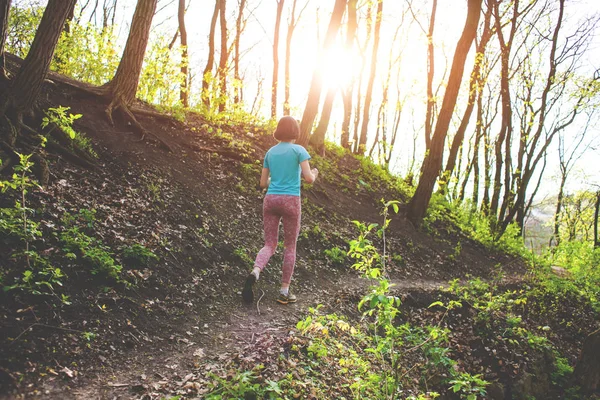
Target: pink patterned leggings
pixel 275 208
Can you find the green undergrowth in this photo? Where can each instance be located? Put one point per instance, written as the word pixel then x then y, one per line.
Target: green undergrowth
pixel 384 353
pixel 44 255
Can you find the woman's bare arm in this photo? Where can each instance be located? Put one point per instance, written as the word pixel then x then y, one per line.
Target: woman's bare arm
pixel 264 178
pixel 310 175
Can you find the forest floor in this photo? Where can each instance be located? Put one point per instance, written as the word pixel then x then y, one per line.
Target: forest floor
pixel 180 320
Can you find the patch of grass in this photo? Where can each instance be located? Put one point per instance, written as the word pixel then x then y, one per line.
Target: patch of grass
pixel 335 255
pixel 138 255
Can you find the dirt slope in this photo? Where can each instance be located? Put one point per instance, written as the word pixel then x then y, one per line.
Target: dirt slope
pixel 199 209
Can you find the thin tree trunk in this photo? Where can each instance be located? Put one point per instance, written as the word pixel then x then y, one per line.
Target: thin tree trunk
pixel 475 162
pixel 314 93
pixel 596 215
pixel 559 202
pixel 184 88
pixel 236 55
pixel 207 75
pixel 28 82
pixel 506 124
pixel 430 75
pixel 347 93
pixel 275 84
pixel 475 84
pixel 222 74
pixel 433 160
pixel 362 143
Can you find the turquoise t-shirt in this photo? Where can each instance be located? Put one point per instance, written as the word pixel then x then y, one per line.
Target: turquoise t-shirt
pixel 283 161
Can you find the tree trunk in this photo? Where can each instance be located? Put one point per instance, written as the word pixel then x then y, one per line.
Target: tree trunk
pixel 587 370
pixel 506 124
pixel 362 143
pixel 288 58
pixel 4 15
pixel 28 82
pixel 559 201
pixel 314 93
pixel 184 89
pixel 430 74
pixel 236 55
pixel 347 94
pixel 475 162
pixel 432 163
pixel 475 85
pixel 596 212
pixel 123 87
pixel 275 81
pixel 207 75
pixel 223 57
pixel 317 140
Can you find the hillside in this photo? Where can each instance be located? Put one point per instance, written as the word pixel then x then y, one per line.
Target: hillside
pixel 168 323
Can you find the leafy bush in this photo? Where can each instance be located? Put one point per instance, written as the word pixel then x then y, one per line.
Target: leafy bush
pixel 87 53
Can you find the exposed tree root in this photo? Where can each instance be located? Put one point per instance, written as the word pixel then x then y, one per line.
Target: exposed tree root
pixel 128 117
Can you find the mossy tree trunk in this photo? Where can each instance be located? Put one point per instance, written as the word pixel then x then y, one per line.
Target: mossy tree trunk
pixel 587 370
pixel 184 89
pixel 224 56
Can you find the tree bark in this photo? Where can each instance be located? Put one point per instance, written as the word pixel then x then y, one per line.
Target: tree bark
pixel 275 81
pixel 430 74
pixel 432 163
pixel 184 89
pixel 236 55
pixel 223 57
pixel 362 143
pixel 4 15
pixel 347 93
pixel 506 124
pixel 206 76
pixel 314 93
pixel 587 370
pixel 317 139
pixel 596 214
pixel 475 85
pixel 123 87
pixel 28 82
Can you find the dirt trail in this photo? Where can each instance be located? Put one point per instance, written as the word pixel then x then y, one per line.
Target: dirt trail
pixel 151 371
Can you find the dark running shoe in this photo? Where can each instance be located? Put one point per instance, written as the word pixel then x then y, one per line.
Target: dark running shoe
pixel 283 299
pixel 247 292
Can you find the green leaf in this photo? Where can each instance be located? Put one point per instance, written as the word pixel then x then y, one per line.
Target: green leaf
pixel 437 303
